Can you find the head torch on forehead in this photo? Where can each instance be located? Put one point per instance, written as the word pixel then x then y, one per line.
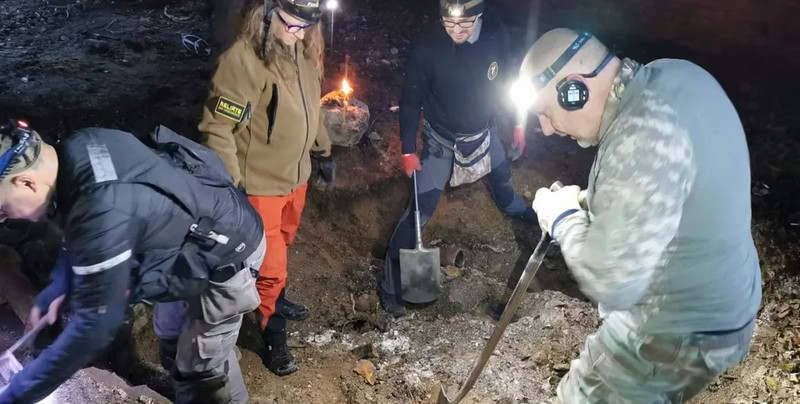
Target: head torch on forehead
pixel 307 10
pixel 525 90
pixel 21 139
pixel 457 9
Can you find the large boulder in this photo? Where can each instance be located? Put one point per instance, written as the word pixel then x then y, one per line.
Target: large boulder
pixel 346 125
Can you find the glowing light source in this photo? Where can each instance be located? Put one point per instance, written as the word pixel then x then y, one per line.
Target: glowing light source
pixel 523 94
pixel 332 4
pixel 22 124
pixel 346 89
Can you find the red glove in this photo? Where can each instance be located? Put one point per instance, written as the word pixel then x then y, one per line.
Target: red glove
pixel 519 138
pixel 411 163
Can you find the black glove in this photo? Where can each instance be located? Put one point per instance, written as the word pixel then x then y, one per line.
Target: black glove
pixel 326 173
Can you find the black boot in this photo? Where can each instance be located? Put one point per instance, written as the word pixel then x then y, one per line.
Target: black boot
pixel 289 310
pixel 391 304
pixel 167 351
pixel 278 359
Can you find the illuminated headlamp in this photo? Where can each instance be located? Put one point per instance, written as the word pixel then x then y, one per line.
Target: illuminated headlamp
pixel 523 94
pixel 23 138
pixel 455 10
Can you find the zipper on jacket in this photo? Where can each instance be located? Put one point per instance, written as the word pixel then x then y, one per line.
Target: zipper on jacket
pixel 305 109
pixel 272 110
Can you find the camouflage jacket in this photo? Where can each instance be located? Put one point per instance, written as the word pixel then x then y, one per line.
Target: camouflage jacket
pixel 666 240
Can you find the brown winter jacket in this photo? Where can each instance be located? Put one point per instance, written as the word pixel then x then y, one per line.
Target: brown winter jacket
pixel 263 121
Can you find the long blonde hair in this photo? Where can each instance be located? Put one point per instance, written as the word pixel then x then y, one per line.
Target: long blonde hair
pixel 252 30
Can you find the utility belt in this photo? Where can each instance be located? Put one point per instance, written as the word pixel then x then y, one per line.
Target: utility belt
pixel 471 157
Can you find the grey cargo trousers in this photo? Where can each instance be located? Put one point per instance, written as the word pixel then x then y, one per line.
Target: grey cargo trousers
pixel 206 328
pixel 620 365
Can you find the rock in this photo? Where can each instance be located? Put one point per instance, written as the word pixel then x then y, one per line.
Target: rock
pixel 347 125
pixel 394 51
pixel 367 351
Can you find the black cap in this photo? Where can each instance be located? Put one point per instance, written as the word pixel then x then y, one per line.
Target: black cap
pixel 460 8
pixel 306 10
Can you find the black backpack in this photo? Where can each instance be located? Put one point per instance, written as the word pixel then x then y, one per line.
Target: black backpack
pixel 184 272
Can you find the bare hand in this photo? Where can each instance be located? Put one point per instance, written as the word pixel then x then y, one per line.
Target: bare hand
pixel 50 317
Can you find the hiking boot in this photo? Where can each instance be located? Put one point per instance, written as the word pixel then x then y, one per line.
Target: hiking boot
pixel 289 310
pixel 391 304
pixel 279 360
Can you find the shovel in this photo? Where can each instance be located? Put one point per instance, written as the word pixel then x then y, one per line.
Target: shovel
pixel 419 268
pixel 534 262
pixel 9 365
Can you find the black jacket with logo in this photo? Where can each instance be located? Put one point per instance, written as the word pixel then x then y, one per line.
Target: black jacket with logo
pixel 456 86
pixel 127 212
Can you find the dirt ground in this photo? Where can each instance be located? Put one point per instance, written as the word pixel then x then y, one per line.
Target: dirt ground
pixel 71 64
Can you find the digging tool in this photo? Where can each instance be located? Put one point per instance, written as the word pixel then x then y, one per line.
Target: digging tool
pixel 9 365
pixel 534 262
pixel 419 268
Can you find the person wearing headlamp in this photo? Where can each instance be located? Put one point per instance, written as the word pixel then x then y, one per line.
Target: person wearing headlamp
pixel 263 118
pixel 661 237
pixel 135 231
pixel 455 76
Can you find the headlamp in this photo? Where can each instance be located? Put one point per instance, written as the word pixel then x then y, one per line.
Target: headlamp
pixel 22 138
pixel 523 94
pixel 455 10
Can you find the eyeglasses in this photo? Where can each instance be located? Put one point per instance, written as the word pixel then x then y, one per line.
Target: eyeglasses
pixel 291 28
pixel 462 24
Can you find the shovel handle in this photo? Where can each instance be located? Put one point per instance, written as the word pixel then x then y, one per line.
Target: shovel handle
pixel 28 335
pixel 534 262
pixel 417 226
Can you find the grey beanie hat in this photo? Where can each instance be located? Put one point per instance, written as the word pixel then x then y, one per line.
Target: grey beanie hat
pixel 19 148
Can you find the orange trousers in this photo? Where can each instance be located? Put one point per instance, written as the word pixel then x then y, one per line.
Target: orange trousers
pixel 281 217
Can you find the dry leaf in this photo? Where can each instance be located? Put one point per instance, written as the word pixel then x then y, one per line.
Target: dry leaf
pixel 366 369
pixel 773 384
pixel 452 272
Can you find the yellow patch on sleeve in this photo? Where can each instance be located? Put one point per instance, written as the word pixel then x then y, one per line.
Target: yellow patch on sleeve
pixel 230 109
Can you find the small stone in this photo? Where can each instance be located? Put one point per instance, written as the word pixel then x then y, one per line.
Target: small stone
pixel 63 37
pixel 394 51
pixel 527 195
pixel 121 393
pixel 24 79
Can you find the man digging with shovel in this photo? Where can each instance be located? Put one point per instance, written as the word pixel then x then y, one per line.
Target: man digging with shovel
pixel 455 73
pixel 161 223
pixel 663 241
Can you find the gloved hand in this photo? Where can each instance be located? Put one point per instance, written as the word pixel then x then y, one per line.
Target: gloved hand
pixel 518 146
pixel 411 163
pixel 552 206
pixel 326 173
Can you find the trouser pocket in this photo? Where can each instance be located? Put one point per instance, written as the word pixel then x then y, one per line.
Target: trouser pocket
pixel 222 301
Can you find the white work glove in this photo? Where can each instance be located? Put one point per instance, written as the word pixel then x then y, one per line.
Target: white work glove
pixel 551 206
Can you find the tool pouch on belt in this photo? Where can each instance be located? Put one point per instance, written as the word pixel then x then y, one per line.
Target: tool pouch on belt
pixel 179 273
pixel 471 157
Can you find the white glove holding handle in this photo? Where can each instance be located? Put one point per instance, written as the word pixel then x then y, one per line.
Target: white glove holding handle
pixel 552 206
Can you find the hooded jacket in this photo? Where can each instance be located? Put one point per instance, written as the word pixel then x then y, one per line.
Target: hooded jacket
pixel 263 119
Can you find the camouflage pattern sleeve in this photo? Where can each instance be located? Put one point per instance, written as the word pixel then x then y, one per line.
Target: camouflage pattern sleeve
pixel 643 173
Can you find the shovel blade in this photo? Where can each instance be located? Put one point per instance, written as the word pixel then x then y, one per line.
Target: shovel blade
pixel 420 275
pixel 442 399
pixel 9 366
